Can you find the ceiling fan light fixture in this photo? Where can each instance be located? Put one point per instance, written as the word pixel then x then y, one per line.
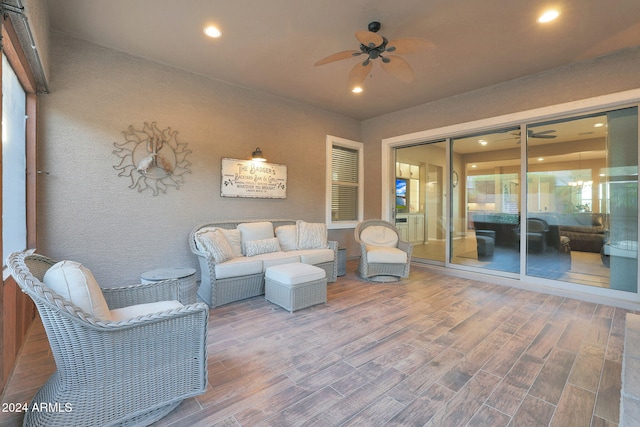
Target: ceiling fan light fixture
pixel 212 31
pixel 548 16
pixel 357 89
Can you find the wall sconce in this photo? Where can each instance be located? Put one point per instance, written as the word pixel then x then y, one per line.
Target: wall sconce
pixel 257 156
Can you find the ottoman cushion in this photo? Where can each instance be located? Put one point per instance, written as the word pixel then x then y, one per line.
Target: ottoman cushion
pixel 294 273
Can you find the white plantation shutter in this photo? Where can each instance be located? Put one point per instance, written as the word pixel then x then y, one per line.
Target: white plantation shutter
pixel 344 182
pixel 344 185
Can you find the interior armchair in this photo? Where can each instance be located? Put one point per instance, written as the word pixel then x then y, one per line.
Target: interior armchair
pixel 124 356
pixel 382 251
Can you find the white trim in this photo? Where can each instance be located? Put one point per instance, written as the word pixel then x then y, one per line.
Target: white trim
pixel 604 102
pixel 359 147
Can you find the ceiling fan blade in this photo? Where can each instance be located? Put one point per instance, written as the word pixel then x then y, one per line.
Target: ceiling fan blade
pixel 359 73
pixel 541 134
pixel 369 39
pixel 408 45
pixel 398 67
pixel 346 54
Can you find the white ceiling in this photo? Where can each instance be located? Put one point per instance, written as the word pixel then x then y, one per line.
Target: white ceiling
pixel 272 45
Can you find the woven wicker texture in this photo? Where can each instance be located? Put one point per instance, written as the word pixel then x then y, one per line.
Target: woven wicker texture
pixel 297 297
pixel 131 372
pixel 227 290
pixel 371 269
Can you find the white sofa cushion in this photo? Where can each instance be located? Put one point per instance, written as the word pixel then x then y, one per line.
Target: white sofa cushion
pixel 264 246
pixel 311 235
pixel 239 266
pixel 126 313
pixel 74 282
pixel 378 235
pixel 215 244
pixel 254 231
pixel 385 254
pixel 288 237
pixel 316 256
pixel 277 258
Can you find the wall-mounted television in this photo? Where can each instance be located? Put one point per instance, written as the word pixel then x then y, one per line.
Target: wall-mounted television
pixel 401 195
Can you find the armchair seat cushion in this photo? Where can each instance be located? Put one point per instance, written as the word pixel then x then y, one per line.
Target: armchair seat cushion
pixel 126 313
pixel 386 255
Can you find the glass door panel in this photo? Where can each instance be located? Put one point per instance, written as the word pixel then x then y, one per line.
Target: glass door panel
pixel 420 199
pixel 485 200
pixel 582 188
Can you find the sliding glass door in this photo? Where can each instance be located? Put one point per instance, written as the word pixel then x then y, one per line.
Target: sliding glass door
pixel 582 200
pixel 420 189
pixel 553 201
pixel 485 200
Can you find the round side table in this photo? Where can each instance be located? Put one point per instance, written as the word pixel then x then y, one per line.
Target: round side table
pixel 186 277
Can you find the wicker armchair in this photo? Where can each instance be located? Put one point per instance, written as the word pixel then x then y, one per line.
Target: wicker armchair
pixel 382 251
pixel 130 372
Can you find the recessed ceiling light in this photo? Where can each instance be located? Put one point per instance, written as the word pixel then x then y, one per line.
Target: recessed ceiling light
pixel 482 142
pixel 357 89
pixel 212 31
pixel 540 159
pixel 548 16
pixel 474 166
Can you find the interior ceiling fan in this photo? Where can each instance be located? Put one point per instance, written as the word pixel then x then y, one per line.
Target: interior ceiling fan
pixel 374 46
pixel 543 134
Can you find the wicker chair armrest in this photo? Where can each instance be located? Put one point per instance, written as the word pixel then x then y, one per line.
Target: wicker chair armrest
pixel 405 246
pixel 124 296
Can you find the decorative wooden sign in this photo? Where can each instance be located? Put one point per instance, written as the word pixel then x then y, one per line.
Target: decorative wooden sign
pixel 246 178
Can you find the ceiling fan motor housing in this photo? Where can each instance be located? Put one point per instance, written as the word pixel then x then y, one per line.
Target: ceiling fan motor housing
pixel 374 26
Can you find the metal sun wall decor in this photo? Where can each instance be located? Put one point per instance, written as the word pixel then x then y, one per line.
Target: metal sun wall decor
pixel 152 158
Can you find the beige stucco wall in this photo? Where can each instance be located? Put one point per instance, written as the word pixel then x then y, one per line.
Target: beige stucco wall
pixel 86 212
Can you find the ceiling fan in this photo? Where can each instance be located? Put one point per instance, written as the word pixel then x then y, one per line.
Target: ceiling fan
pixel 374 46
pixel 544 134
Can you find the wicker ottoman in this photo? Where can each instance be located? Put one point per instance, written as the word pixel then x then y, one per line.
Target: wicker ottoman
pixel 295 286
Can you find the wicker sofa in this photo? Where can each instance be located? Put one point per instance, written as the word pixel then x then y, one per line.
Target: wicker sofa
pixel 256 245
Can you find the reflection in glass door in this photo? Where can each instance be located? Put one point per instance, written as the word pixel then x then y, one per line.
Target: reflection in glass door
pixel 485 201
pixel 420 199
pixel 582 200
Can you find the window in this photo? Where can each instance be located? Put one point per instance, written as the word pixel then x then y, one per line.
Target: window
pixel 344 182
pixel 14 187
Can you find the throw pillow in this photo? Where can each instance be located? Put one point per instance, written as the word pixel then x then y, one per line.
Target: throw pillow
pixel 233 237
pixel 288 237
pixel 216 245
pixel 264 246
pixel 311 235
pixel 75 283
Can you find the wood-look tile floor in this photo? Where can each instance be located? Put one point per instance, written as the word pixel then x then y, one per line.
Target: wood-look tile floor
pixel 432 350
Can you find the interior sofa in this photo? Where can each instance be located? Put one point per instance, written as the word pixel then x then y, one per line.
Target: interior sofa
pixel 585 230
pixel 234 255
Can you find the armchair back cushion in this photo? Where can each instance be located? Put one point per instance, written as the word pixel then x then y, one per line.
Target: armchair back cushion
pixel 378 235
pixel 74 282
